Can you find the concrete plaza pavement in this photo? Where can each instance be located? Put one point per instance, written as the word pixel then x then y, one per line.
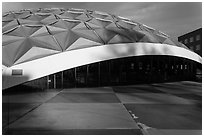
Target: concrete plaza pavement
pixel 165 108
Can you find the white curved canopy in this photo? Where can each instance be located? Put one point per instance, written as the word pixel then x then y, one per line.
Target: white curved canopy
pixel 70 59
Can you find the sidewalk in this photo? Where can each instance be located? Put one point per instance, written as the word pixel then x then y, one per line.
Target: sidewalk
pixel 168 108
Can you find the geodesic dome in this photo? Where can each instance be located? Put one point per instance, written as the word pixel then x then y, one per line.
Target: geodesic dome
pixel 41 42
pixel 33 34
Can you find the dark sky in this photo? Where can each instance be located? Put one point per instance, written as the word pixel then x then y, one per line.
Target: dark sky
pixel 172 18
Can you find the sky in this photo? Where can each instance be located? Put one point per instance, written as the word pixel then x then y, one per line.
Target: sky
pixel 172 18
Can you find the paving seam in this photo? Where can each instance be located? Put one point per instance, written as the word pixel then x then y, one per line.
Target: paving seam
pixel 140 128
pixel 53 96
pixel 30 111
pixel 128 111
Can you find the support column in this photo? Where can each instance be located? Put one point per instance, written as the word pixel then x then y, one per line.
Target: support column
pixel 87 75
pixel 62 84
pixel 48 82
pixel 99 74
pixel 151 67
pixel 109 71
pixel 75 82
pixel 54 81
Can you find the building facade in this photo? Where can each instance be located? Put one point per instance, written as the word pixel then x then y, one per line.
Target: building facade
pixel 65 48
pixel 193 40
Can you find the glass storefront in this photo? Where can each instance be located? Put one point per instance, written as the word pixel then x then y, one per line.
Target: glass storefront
pixel 123 71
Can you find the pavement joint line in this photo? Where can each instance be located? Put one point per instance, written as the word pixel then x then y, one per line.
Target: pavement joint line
pixel 151 103
pixel 130 115
pixel 60 91
pixel 122 104
pixel 9 123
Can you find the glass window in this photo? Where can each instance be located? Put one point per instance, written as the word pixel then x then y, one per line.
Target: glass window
pixel 198 37
pixel 198 47
pixel 132 65
pixel 186 41
pixel 191 39
pixel 140 65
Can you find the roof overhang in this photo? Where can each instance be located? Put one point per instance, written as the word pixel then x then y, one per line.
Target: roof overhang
pixel 70 59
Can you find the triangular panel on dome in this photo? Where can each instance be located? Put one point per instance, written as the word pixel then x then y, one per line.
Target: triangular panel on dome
pixel 73 23
pixel 149 29
pixel 66 14
pixel 136 35
pixel 88 34
pixel 8 17
pixel 75 14
pixel 4 23
pixel 62 17
pixel 112 26
pixel 163 34
pixel 104 22
pixel 24 14
pixel 27 16
pixel 123 18
pixel 36 17
pixel 168 41
pixel 137 27
pixel 45 15
pixel 149 38
pixel 30 29
pixel 44 10
pixel 161 38
pixel 83 43
pixel 5 14
pixel 119 39
pixel 46 41
pixel 100 22
pixel 55 30
pixel 93 26
pixel 65 39
pixel 105 35
pixel 71 14
pixel 109 17
pixel 60 24
pixel 6 39
pixel 83 31
pixel 49 19
pixel 56 11
pixel 126 24
pixel 83 17
pixel 80 26
pixel 25 21
pixel 33 17
pixel 17 14
pixel 130 34
pixel 9 51
pixel 23 48
pixel 40 32
pixel 99 14
pixel 19 31
pixel 35 53
pixel 10 25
